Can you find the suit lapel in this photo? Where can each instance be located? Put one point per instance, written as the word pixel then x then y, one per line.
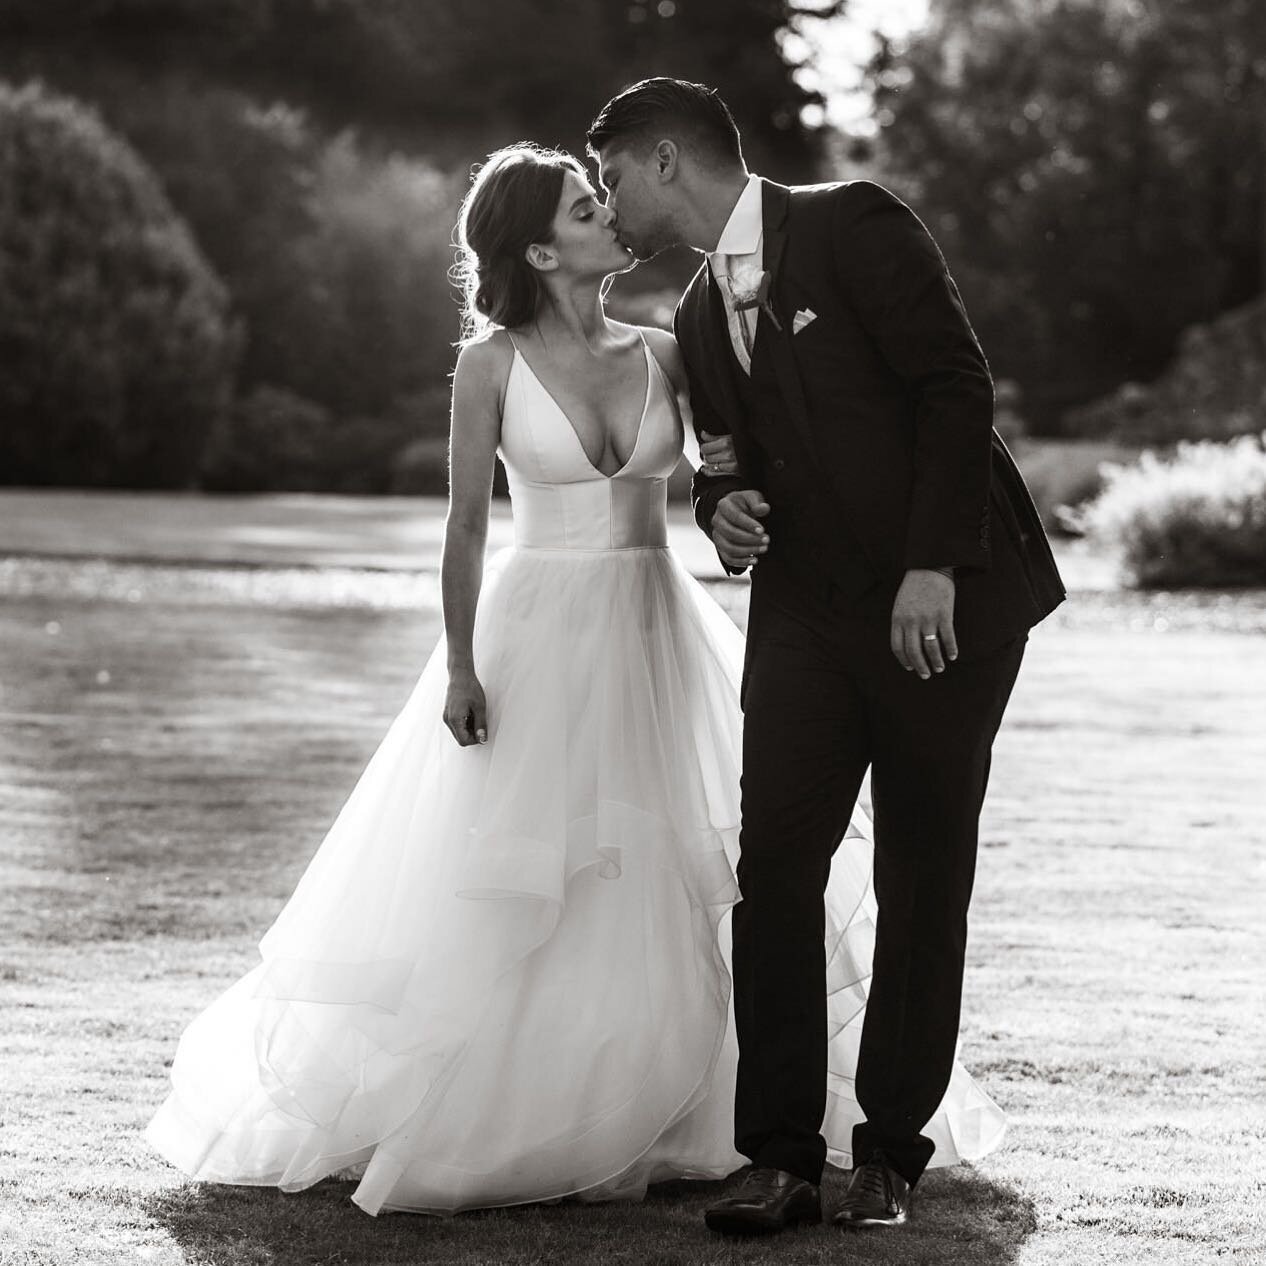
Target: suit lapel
pixel 769 337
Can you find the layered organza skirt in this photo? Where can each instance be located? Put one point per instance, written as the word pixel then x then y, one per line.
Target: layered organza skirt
pixel 504 975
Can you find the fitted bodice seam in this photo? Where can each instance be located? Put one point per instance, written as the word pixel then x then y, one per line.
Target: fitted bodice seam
pixel 589 549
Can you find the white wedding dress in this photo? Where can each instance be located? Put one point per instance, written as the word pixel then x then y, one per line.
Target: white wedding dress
pixel 503 976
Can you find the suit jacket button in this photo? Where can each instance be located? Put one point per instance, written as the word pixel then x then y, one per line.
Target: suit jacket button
pixel 779 463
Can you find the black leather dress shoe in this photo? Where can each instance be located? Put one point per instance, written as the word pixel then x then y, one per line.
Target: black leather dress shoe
pixel 877 1196
pixel 766 1201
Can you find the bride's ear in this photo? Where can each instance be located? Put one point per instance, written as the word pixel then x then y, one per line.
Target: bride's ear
pixel 540 257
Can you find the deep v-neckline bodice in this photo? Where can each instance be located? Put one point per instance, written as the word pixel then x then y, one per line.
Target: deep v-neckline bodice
pixel 570 425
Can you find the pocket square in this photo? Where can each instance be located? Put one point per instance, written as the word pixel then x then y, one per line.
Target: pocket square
pixel 802 318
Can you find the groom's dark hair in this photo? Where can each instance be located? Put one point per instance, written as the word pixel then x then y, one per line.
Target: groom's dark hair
pixel 692 114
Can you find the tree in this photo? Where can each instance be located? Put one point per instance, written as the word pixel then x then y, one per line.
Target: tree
pixel 116 355
pixel 425 74
pixel 318 149
pixel 1083 166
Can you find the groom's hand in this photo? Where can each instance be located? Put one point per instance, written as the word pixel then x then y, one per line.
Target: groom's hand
pixel 922 633
pixel 737 531
pixel 718 455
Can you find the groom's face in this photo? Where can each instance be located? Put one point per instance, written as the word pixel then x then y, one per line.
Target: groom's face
pixel 642 220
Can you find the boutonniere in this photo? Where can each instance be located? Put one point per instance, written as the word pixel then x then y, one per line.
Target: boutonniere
pixel 757 296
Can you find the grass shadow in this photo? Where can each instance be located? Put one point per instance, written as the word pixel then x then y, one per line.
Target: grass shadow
pixel 961 1218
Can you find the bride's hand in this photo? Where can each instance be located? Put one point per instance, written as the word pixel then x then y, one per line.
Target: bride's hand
pixel 465 709
pixel 717 453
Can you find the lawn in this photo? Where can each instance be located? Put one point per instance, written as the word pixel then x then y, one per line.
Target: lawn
pixel 175 740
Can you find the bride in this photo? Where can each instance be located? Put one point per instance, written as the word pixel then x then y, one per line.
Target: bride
pixel 504 975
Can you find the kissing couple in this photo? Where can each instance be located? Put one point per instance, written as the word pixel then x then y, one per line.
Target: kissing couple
pixel 603 909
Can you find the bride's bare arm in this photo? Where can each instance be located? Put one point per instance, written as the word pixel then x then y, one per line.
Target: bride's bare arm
pixel 478 387
pixel 715 453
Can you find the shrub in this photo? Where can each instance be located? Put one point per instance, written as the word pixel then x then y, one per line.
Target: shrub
pixel 1214 389
pixel 381 251
pixel 336 256
pixel 273 440
pixel 276 440
pixel 242 177
pixel 420 469
pixel 116 355
pixel 335 252
pixel 1195 519
pixel 361 454
pixel 1064 474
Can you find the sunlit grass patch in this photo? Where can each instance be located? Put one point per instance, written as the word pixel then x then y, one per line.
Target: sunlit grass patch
pixel 152 823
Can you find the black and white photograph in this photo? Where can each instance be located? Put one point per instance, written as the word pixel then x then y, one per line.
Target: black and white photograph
pixel 631 631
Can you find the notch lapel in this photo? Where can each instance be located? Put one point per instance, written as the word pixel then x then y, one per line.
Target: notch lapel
pixel 709 353
pixel 769 337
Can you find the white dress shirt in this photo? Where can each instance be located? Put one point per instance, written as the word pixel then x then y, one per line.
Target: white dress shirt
pixel 738 261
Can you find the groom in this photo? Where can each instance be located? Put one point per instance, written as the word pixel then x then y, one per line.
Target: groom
pixel 899 564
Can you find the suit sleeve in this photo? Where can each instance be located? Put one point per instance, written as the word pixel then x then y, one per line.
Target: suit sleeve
pixel 706 490
pixel 896 280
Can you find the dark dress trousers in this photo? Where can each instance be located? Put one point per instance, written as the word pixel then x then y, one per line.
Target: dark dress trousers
pixel 869 431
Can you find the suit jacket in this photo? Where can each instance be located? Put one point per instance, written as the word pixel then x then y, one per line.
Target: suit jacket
pixel 888 391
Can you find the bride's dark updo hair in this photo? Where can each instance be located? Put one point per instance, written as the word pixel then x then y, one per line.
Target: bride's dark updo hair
pixel 511 204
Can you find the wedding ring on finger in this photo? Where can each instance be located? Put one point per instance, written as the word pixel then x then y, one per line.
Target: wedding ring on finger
pixel 931 637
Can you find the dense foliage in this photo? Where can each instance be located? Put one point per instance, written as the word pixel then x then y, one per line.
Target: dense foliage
pixel 1215 387
pixel 1197 518
pixel 448 79
pixel 116 353
pixel 319 150
pixel 1094 170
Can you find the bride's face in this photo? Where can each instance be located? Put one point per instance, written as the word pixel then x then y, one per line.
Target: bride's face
pixel 585 242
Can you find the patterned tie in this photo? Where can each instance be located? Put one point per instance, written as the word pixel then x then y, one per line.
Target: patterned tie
pixel 744 300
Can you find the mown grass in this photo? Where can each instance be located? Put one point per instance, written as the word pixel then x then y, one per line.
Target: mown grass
pixel 167 767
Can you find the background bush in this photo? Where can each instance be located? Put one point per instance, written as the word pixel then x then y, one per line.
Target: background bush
pixel 272 439
pixel 1064 474
pixel 116 351
pixel 1197 518
pixel 1214 389
pixel 336 254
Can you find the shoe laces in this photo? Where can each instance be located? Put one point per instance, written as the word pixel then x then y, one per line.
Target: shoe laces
pixel 762 1180
pixel 871 1179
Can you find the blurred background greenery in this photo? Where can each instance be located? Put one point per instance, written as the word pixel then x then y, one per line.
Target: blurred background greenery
pixel 225 230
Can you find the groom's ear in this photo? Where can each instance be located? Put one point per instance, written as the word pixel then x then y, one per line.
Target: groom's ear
pixel 541 258
pixel 667 156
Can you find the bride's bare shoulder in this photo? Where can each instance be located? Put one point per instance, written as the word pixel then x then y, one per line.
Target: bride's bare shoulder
pixel 490 350
pixel 483 363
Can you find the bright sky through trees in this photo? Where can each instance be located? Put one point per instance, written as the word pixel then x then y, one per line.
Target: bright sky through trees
pixel 842 46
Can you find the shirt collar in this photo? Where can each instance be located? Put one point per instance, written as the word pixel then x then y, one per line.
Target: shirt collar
pixel 745 227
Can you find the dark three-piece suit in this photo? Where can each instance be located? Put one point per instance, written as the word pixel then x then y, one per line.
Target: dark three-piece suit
pixel 869 432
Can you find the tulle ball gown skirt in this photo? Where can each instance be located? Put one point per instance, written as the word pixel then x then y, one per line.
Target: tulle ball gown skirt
pixel 503 976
